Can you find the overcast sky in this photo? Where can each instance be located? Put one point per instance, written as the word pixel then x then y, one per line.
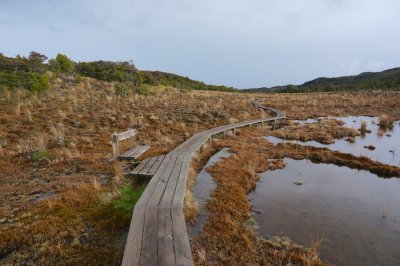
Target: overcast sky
pixel 240 43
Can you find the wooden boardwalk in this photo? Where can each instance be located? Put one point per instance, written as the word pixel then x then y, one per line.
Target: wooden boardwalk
pixel 157 234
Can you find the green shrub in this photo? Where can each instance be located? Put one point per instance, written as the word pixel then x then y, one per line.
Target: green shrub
pixel 39 155
pixel 61 64
pixel 143 90
pixel 122 89
pixel 127 199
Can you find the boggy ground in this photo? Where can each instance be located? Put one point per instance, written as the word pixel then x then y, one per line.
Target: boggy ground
pixel 55 170
pixel 226 237
pixel 55 174
pixel 313 105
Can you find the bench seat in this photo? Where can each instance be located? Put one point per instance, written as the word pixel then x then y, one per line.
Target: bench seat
pixel 134 154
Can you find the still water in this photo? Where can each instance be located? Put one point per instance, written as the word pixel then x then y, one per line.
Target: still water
pixel 355 213
pixel 203 187
pixel 386 143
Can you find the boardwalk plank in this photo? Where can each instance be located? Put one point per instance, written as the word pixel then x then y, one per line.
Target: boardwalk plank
pixel 134 241
pixel 148 255
pixel 148 166
pixel 156 165
pixel 165 240
pixel 140 166
pixel 183 254
pixel 161 185
pixel 169 191
pixel 181 184
pixel 147 193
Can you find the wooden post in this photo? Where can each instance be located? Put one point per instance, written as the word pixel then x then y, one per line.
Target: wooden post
pixel 133 140
pixel 115 149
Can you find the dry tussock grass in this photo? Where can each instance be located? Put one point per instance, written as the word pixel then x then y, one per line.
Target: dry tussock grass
pixel 313 105
pixel 325 131
pixel 385 121
pixel 73 123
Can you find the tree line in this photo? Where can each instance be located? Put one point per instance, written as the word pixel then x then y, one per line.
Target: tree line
pixel 33 73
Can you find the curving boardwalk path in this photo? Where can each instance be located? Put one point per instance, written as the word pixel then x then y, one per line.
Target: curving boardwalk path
pixel 157 234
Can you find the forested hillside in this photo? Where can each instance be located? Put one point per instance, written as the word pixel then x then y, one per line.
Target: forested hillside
pixel 386 80
pixel 35 72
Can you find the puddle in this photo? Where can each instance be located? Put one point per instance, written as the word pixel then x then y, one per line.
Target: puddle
pixel 356 213
pixel 387 144
pixel 202 189
pixel 307 121
pixel 39 196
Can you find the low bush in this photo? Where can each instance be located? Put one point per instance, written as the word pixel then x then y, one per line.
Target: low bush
pixel 39 155
pixel 123 204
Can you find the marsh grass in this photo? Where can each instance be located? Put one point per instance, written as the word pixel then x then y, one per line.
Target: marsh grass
pixel 40 155
pixel 385 121
pixel 125 201
pixel 363 129
pixel 89 112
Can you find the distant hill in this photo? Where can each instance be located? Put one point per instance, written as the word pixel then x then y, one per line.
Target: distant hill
pixel 173 80
pixel 35 71
pixel 388 79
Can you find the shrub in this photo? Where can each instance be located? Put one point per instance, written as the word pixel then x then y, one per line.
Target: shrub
pixel 128 196
pixel 40 83
pixel 39 155
pixel 143 90
pixel 61 64
pixel 122 89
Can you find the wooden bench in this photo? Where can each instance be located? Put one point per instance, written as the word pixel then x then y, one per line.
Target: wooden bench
pixel 132 154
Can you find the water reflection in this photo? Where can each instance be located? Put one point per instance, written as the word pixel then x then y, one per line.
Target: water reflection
pixel 386 143
pixel 203 187
pixel 356 213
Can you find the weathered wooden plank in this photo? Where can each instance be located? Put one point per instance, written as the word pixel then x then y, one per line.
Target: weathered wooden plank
pixel 169 191
pixel 134 241
pixel 140 166
pixel 129 153
pixel 156 165
pixel 188 142
pixel 134 153
pixel 148 254
pixel 162 183
pixel 183 254
pixel 165 240
pixel 148 166
pixel 124 135
pixel 147 193
pixel 181 184
pixel 143 148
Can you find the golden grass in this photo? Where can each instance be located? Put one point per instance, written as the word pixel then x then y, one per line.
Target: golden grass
pixel 385 121
pixel 324 131
pixel 74 122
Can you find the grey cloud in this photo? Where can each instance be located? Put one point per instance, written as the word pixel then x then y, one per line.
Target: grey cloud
pixel 240 43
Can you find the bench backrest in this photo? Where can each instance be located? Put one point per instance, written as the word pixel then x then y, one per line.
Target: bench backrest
pixel 117 137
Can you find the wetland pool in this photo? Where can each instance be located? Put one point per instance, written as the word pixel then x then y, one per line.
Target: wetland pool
pixel 386 143
pixel 355 213
pixel 202 189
